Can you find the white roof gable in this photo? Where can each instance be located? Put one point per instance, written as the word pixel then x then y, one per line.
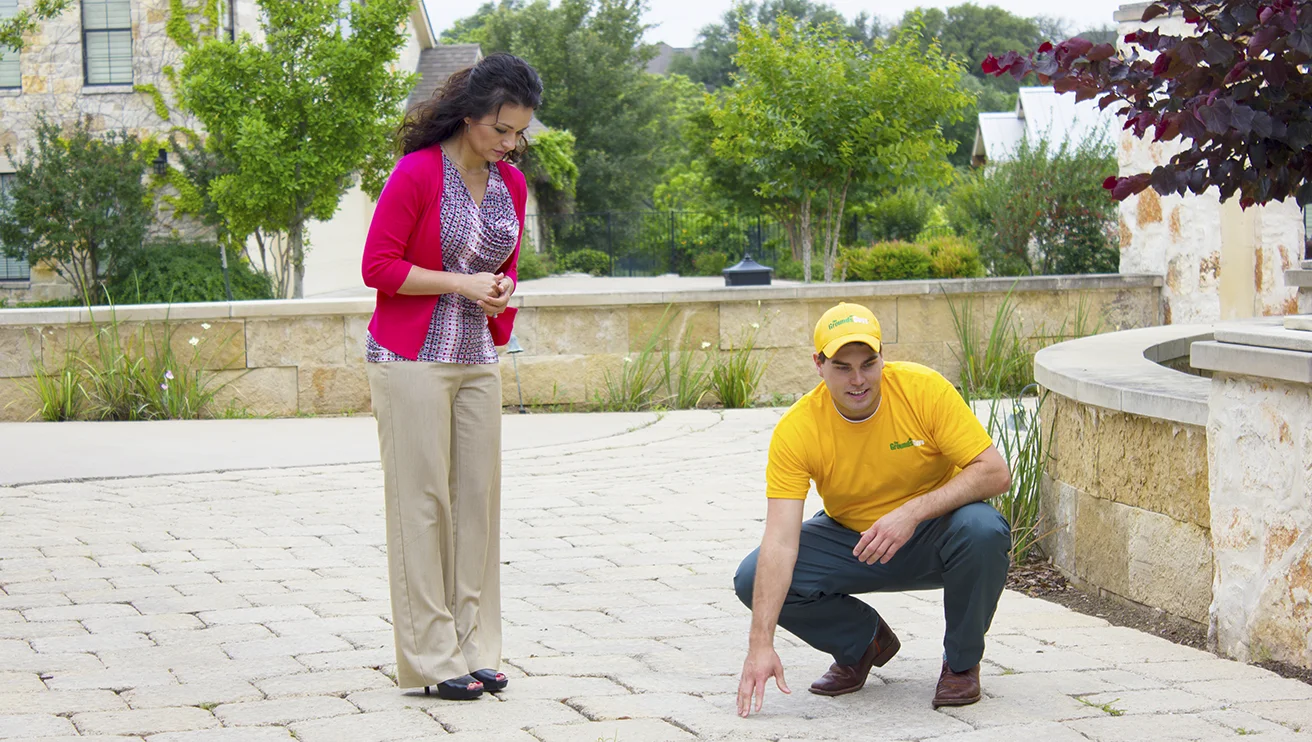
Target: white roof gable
pixel 1040 113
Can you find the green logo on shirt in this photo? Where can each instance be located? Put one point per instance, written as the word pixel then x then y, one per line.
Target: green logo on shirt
pixel 906 444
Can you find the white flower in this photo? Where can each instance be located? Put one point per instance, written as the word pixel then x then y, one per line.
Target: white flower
pixel 204 325
pixel 756 325
pixel 705 345
pixel 628 360
pixel 193 341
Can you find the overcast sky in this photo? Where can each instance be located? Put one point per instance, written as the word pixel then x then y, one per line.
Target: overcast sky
pixel 677 21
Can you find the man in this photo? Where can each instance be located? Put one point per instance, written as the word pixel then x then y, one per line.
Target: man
pixel 902 465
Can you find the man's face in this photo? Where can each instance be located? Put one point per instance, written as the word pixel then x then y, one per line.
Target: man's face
pixel 852 376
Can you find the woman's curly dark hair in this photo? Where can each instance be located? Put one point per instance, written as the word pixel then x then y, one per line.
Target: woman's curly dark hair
pixel 473 92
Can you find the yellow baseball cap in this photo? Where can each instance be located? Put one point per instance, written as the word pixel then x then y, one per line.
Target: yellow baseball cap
pixel 847 323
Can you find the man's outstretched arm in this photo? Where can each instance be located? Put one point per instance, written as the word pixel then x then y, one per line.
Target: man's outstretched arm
pixel 774 574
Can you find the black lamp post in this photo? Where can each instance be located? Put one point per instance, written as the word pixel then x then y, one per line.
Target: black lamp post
pixel 513 348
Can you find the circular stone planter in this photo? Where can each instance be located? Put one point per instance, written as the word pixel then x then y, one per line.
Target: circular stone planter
pixel 1125 492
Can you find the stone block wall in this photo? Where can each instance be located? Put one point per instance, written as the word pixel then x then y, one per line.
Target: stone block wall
pixel 1125 502
pixel 289 357
pixel 1261 453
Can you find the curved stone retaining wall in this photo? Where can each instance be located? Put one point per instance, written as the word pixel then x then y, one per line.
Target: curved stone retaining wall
pixel 289 357
pixel 1125 497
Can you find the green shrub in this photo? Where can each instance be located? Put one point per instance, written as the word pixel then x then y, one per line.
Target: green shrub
pixel 898 216
pixel 945 256
pixel 594 262
pixel 152 372
pixel 710 263
pixel 1042 212
pixel 952 257
pixel 530 265
pixel 886 261
pixel 177 271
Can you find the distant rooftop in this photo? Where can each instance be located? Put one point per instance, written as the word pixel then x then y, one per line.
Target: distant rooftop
pixel 1040 113
pixel 438 63
pixel 665 55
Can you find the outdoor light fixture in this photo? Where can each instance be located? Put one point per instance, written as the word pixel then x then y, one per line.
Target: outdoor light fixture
pixel 747 272
pixel 513 348
pixel 161 162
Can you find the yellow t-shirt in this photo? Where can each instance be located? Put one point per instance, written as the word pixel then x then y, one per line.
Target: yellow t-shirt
pixel 922 435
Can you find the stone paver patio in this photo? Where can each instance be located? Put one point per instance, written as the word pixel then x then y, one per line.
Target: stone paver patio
pixel 252 605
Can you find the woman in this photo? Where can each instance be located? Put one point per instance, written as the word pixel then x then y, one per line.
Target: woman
pixel 441 251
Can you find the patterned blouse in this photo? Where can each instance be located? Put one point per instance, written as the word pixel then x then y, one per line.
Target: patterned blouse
pixel 475 239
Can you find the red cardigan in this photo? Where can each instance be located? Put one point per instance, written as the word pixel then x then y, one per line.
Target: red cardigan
pixel 406 231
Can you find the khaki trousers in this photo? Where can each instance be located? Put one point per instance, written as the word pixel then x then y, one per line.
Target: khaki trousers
pixel 439 433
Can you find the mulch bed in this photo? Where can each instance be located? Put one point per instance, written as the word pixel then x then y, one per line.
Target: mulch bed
pixel 1037 578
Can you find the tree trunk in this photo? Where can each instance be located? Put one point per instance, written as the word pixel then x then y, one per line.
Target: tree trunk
pixel 296 253
pixel 834 222
pixel 806 238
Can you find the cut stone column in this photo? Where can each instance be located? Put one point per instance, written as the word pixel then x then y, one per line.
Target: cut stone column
pixel 1259 433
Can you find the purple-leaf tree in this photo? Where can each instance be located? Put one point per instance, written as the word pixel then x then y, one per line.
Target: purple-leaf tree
pixel 1239 88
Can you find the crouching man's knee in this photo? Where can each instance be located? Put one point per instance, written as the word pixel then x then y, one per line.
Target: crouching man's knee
pixel 745 577
pixel 982 528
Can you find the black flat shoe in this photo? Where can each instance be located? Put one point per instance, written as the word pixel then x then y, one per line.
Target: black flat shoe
pixel 463 688
pixel 493 682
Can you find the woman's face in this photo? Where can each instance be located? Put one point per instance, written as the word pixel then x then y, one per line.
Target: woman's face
pixel 497 134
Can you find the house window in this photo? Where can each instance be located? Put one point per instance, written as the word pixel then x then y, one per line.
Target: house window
pixel 9 74
pixel 107 41
pixel 11 269
pixel 228 20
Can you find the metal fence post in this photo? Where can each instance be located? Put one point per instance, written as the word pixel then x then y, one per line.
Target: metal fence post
pixel 610 241
pixel 673 262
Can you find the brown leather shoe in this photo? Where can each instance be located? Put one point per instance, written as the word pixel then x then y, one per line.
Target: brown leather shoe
pixel 848 678
pixel 957 688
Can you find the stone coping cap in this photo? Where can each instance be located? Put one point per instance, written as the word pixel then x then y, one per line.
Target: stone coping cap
pixel 1283 333
pixel 1121 371
pixel 1298 277
pixel 365 305
pixel 1263 348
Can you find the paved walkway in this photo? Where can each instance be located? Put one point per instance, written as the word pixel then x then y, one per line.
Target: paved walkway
pixel 251 606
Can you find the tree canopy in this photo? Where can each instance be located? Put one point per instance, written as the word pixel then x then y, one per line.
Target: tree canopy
pixel 295 120
pixel 78 202
pixel 712 63
pixel 1236 89
pixel 592 61
pixel 814 116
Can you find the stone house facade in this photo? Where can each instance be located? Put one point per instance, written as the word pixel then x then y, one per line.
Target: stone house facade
pixel 108 62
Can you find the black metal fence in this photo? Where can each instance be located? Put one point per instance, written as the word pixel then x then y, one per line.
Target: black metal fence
pixel 645 243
